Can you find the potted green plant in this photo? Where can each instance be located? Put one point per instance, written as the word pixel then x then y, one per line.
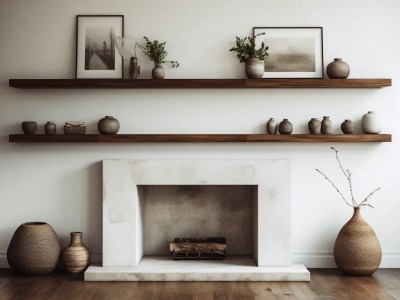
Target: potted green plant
pixel 357 250
pixel 155 50
pixel 254 58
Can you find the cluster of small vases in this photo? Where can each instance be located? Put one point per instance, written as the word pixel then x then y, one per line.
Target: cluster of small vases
pixel 30 127
pixel 284 127
pixel 371 124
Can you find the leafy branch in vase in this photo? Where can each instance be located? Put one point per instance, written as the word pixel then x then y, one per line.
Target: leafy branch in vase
pixel 348 175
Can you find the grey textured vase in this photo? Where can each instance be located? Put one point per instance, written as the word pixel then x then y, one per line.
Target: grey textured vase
pixel 338 69
pixel 108 125
pixel 272 126
pixel 50 128
pixel 347 127
pixel 285 127
pixel 158 72
pixel 326 125
pixel 254 68
pixel 29 127
pixel 371 123
pixel 314 126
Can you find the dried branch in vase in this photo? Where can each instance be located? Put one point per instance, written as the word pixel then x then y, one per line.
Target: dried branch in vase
pixel 347 174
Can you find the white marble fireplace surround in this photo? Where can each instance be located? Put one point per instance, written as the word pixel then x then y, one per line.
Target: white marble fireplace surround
pixel 123 255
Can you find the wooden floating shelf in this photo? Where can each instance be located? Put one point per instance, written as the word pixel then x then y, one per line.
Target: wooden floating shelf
pixel 198 138
pixel 196 83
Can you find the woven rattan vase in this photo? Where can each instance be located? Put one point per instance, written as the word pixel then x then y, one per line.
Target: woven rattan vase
pixel 357 249
pixel 34 249
pixel 76 255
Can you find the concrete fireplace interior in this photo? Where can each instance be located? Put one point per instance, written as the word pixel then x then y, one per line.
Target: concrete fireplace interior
pixel 148 203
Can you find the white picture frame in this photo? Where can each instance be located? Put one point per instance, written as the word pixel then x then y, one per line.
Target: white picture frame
pixel 96 53
pixel 294 52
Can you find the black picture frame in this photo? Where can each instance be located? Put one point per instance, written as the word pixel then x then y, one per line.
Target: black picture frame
pixel 94 58
pixel 294 52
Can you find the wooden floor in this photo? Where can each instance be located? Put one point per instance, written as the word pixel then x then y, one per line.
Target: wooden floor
pixel 325 284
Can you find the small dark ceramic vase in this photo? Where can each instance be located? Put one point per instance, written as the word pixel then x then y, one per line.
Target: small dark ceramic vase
pixel 314 126
pixel 338 69
pixel 272 126
pixel 285 127
pixel 254 68
pixel 29 127
pixel 108 125
pixel 347 127
pixel 50 128
pixel 326 125
pixel 158 72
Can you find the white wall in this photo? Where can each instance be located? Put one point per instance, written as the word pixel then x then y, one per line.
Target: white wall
pixel 61 183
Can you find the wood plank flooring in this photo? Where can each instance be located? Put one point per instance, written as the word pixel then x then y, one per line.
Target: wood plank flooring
pixel 326 284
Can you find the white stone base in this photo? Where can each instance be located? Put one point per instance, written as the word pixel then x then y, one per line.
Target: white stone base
pixel 154 268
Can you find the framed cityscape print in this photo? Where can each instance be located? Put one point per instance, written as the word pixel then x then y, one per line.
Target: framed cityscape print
pixel 294 52
pixel 96 52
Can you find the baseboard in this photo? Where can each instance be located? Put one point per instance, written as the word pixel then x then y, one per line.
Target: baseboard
pixel 310 260
pixel 326 260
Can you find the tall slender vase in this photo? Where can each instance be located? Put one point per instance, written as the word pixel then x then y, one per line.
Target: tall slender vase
pixel 357 249
pixel 76 256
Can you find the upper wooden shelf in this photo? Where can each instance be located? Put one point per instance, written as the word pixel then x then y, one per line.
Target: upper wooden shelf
pixel 199 138
pixel 196 83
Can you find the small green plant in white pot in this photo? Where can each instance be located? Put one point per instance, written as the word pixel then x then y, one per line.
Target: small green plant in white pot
pixel 253 58
pixel 155 50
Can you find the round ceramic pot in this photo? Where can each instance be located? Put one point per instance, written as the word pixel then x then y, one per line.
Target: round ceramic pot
pixel 108 125
pixel 50 128
pixel 76 255
pixel 29 127
pixel 347 127
pixel 158 72
pixel 254 68
pixel 285 127
pixel 314 126
pixel 371 123
pixel 326 125
pixel 34 249
pixel 272 126
pixel 338 69
pixel 357 249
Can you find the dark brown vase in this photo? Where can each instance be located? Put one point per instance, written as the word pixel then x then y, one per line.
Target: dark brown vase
pixel 285 127
pixel 76 256
pixel 108 125
pixel 357 249
pixel 347 127
pixel 34 249
pixel 314 126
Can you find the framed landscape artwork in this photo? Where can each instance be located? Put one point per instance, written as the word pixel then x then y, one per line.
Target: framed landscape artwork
pixel 294 52
pixel 96 52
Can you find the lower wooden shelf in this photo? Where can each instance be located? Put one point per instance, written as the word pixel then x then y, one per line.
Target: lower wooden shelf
pixel 198 138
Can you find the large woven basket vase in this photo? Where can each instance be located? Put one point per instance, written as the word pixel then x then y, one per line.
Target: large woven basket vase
pixel 76 256
pixel 34 249
pixel 357 249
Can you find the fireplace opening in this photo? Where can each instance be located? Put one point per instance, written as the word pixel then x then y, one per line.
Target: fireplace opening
pixel 198 211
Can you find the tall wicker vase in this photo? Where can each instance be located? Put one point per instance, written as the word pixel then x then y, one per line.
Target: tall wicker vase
pixel 76 256
pixel 357 249
pixel 34 249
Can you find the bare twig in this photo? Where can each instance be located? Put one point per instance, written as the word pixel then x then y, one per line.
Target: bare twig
pixel 347 174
